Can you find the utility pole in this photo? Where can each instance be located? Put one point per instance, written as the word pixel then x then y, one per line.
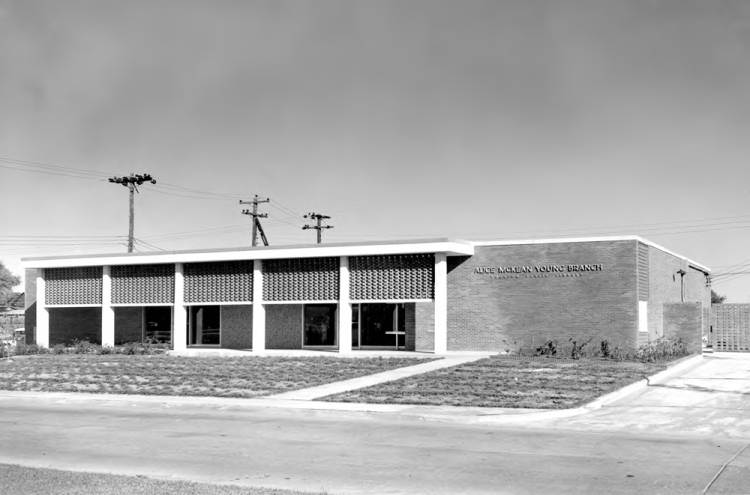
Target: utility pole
pixel 318 225
pixel 132 182
pixel 256 223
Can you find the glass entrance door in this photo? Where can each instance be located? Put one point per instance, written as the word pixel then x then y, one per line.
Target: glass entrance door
pixel 378 325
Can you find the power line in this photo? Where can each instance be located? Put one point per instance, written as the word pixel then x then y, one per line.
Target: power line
pixel 148 244
pixel 318 224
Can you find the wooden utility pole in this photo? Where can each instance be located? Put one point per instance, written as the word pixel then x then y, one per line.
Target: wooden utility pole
pixel 318 224
pixel 132 182
pixel 256 223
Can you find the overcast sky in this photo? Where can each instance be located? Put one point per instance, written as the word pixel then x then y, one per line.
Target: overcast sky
pixel 399 119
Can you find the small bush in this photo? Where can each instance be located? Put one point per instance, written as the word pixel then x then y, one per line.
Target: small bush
pixel 604 349
pixel 107 349
pixel 620 354
pixel 548 349
pixel 148 347
pixel 661 350
pixel 84 347
pixel 24 349
pixel 576 351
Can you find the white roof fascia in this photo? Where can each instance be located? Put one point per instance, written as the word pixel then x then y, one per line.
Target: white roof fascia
pixel 564 240
pixel 456 248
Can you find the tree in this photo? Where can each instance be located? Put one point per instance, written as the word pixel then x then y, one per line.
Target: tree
pixel 7 282
pixel 716 298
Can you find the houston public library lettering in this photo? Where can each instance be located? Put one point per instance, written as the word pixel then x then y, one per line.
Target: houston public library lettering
pixel 435 295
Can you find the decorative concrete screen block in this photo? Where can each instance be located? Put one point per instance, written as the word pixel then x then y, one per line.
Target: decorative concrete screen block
pixel 78 285
pixel 143 284
pixel 731 327
pixel 400 276
pixel 305 279
pixel 643 271
pixel 223 281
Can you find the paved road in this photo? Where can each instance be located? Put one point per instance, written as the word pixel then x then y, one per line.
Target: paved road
pixel 402 452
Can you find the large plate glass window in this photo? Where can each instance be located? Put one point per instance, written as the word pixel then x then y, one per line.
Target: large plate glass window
pixel 205 325
pixel 157 324
pixel 320 325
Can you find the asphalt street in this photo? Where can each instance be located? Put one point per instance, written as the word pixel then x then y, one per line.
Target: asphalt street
pixel 651 443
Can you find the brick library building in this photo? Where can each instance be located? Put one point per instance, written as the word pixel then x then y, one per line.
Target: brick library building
pixel 436 295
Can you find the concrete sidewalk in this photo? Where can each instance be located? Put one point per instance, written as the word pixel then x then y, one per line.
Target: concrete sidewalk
pixel 313 393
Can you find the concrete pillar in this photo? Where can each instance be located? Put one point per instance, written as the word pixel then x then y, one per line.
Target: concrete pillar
pixel 108 312
pixel 259 311
pixel 179 320
pixel 42 313
pixel 344 323
pixel 441 304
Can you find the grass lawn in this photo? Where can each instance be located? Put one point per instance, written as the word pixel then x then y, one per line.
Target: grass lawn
pixel 40 481
pixel 504 382
pixel 179 375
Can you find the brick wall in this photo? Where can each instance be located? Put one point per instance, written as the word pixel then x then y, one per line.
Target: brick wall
pixel 507 311
pixel 665 287
pixel 66 324
pixel 237 327
pixel 410 326
pixel 684 321
pixel 424 326
pixel 128 325
pixel 283 326
pixel 30 305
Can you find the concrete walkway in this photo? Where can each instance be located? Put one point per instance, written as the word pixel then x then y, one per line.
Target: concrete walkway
pixel 313 393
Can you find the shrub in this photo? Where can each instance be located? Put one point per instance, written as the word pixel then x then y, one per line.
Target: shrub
pixel 59 349
pixel 23 349
pixel 148 347
pixel 107 349
pixel 576 351
pixel 604 349
pixel 661 350
pixel 84 347
pixel 548 349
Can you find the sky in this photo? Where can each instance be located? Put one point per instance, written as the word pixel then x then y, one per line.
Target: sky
pixel 400 119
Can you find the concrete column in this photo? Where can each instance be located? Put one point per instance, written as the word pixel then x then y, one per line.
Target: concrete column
pixel 441 304
pixel 42 313
pixel 108 312
pixel 179 320
pixel 259 311
pixel 344 323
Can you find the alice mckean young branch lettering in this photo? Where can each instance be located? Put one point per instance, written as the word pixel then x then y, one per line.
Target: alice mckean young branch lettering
pixel 585 267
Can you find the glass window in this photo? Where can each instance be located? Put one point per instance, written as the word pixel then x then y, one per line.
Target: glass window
pixel 355 325
pixel 320 324
pixel 205 325
pixel 157 324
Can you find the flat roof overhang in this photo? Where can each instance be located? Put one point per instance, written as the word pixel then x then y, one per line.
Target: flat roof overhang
pixel 448 246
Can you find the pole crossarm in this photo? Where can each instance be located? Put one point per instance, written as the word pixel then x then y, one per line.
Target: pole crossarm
pixel 318 217
pixel 132 182
pixel 255 222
